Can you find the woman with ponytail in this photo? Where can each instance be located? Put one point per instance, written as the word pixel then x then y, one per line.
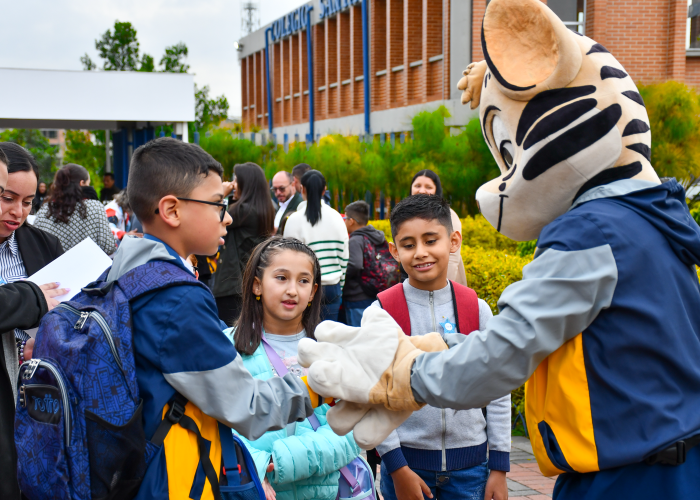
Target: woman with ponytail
pixel 322 229
pixel 72 218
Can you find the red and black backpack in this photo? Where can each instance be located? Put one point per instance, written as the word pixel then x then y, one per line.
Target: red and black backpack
pixel 464 300
pixel 380 269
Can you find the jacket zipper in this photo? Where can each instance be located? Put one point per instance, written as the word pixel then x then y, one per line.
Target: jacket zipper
pixel 103 326
pixel 28 374
pixel 431 301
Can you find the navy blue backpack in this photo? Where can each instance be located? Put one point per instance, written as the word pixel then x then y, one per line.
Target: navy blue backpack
pixel 78 424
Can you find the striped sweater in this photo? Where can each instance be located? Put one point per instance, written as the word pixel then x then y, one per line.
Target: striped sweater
pixel 328 238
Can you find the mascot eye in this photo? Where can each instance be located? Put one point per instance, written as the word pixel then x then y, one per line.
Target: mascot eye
pixel 506 150
pixel 502 141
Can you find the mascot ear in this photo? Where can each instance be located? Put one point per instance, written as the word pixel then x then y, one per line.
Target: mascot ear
pixel 527 48
pixel 471 83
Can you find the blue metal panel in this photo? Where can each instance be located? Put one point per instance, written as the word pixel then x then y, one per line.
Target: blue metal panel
pixel 267 75
pixel 365 61
pixel 121 158
pixel 143 135
pixel 310 65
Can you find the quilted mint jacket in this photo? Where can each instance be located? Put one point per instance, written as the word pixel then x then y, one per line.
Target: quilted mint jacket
pixel 306 462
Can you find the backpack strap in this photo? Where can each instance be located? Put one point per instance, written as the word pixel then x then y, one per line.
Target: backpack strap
pixel 466 306
pixel 176 415
pixel 154 275
pixel 393 301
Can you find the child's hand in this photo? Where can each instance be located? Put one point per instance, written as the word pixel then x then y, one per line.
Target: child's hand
pixel 409 486
pixel 270 466
pixel 496 487
pixel 269 491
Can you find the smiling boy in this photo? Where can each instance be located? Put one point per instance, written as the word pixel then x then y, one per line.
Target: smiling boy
pixel 439 452
pixel 176 190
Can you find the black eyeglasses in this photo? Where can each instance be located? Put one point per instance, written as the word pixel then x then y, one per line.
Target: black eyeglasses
pixel 223 205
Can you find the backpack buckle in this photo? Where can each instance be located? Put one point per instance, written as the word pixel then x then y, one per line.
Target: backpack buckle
pixel 175 412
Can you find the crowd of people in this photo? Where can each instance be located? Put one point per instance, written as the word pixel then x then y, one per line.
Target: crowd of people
pixel 272 259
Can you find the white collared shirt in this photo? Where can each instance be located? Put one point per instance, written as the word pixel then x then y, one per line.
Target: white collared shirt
pixel 280 212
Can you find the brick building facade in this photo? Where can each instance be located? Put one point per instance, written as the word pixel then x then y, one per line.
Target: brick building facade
pixel 415 51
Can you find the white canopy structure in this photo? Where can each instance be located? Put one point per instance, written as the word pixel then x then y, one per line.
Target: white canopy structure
pixel 128 103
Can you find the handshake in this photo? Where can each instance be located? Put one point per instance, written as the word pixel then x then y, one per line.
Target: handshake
pixel 369 370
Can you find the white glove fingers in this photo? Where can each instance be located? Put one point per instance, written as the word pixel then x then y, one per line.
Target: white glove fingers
pixel 345 415
pixel 376 426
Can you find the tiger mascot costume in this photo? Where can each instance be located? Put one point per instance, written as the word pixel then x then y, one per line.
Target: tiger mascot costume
pixel 605 324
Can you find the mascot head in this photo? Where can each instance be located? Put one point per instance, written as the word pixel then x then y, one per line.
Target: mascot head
pixel 559 113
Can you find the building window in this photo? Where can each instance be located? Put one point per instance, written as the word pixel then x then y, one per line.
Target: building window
pixel 571 12
pixel 50 134
pixel 693 41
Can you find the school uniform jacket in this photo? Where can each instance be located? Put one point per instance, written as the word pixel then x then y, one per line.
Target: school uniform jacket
pixel 606 320
pixel 179 345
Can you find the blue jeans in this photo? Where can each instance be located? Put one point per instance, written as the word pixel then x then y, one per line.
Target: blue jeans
pixel 354 310
pixel 452 485
pixel 330 305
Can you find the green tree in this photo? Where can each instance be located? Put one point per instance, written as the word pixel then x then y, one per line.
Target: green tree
pixel 119 50
pixel 38 145
pixel 82 150
pixel 674 116
pixel 229 150
pixel 147 64
pixel 173 61
pixel 209 111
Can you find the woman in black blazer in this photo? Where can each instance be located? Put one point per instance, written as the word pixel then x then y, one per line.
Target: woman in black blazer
pixel 23 251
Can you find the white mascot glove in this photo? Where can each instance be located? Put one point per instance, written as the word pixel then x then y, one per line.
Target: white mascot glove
pixel 371 366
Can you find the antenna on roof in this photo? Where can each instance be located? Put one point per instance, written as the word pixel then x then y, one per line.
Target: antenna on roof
pixel 250 17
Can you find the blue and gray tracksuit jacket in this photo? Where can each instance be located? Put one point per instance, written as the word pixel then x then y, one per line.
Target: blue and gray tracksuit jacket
pixel 607 317
pixel 179 345
pixel 437 439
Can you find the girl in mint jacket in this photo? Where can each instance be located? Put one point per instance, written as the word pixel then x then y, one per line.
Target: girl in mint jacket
pixel 279 296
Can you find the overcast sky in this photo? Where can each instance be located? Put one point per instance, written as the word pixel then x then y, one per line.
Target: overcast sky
pixel 54 34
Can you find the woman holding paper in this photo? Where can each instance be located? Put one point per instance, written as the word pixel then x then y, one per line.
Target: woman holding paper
pixel 72 218
pixel 23 251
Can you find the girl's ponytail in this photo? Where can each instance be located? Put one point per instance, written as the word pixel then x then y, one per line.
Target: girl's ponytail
pixel 314 184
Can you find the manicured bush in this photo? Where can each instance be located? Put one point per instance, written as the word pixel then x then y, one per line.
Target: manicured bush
pixel 490 271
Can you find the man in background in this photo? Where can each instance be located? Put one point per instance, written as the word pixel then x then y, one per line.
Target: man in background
pixel 298 172
pixel 287 196
pixel 109 189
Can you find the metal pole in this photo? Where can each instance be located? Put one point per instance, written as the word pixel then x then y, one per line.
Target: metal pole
pixel 267 75
pixel 108 154
pixel 310 66
pixel 365 60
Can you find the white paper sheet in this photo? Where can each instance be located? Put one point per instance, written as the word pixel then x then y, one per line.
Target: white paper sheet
pixel 80 265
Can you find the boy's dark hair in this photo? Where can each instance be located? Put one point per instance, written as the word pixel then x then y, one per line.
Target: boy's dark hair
pixel 421 206
pixel 166 166
pixel 299 170
pixel 249 327
pixel 18 159
pixel 358 211
pixel 109 174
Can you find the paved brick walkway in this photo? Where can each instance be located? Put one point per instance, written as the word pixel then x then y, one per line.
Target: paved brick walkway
pixel 525 481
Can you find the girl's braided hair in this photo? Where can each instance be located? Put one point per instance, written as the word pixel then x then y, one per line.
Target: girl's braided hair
pixel 249 327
